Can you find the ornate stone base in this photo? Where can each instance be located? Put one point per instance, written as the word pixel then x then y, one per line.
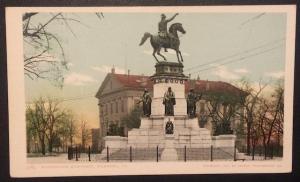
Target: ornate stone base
pixel 186 133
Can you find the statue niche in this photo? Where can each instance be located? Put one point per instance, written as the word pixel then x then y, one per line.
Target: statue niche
pixel 169 129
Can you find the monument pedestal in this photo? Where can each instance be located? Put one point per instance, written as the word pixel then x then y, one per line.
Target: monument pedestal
pixel 186 132
pixel 169 153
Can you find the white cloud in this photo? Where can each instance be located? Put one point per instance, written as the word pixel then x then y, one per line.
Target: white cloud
pixel 277 74
pixel 78 79
pixel 241 70
pixel 107 69
pixel 224 73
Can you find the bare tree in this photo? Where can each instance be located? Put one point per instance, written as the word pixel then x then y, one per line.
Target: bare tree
pixel 278 102
pixel 43 117
pixel 55 115
pixel 255 135
pixel 222 108
pixel 67 130
pixel 41 60
pixel 36 118
pixel 272 116
pixel 85 134
pixel 250 104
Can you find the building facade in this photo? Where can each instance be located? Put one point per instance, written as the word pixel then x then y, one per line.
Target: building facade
pixel 120 93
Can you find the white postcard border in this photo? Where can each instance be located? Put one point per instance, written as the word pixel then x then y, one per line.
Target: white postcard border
pixel 16 96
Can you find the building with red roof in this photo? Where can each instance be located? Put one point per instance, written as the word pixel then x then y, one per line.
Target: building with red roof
pixel 120 93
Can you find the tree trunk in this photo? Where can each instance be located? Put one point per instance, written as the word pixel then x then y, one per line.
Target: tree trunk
pixel 50 145
pixel 265 151
pixel 71 141
pixel 43 145
pixel 278 143
pixel 248 137
pixel 28 145
pixel 253 151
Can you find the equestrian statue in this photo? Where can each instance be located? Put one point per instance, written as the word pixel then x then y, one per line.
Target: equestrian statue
pixel 165 39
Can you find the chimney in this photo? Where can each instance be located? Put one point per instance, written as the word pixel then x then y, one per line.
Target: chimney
pixel 128 74
pixel 207 85
pixel 113 69
pixel 198 78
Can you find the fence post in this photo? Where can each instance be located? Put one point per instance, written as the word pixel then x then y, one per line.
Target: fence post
pixel 253 153
pixel 76 153
pixel 79 151
pixel 89 153
pixel 234 153
pixel 107 154
pixel 69 153
pixel 211 153
pixel 130 154
pixel 157 153
pixel 185 153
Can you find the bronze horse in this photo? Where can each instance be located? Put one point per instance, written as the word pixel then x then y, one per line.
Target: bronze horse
pixel 171 41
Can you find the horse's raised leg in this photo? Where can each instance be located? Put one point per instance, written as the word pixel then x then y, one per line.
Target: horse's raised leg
pixel 158 52
pixel 180 55
pixel 154 50
pixel 177 56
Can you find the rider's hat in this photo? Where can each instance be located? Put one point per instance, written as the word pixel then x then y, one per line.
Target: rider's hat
pixel 163 15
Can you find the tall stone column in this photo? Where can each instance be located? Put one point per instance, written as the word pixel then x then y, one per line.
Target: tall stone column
pixel 168 74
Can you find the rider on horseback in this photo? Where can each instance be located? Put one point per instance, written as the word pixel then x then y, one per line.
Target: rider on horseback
pixel 163 26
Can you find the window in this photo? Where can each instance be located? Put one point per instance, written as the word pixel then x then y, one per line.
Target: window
pixel 117 107
pixel 111 108
pixel 101 110
pixel 106 109
pixel 122 106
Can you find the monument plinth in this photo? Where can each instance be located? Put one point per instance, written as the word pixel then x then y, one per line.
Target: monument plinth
pixel 153 131
pixel 169 74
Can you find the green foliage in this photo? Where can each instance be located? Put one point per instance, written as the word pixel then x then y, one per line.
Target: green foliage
pixel 222 108
pixel 115 130
pixel 133 120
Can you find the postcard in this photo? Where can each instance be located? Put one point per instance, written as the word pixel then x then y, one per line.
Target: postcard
pixel 97 91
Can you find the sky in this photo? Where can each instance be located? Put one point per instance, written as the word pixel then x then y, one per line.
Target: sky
pixel 216 46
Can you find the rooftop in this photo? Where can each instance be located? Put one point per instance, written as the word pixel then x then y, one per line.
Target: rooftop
pixel 139 82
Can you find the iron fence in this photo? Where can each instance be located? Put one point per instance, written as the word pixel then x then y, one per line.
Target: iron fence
pixel 154 154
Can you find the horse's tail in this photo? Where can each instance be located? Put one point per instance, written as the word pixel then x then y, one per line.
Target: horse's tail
pixel 145 37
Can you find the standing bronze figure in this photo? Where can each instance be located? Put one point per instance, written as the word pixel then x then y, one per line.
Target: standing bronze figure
pixel 192 99
pixel 165 39
pixel 163 27
pixel 169 102
pixel 146 99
